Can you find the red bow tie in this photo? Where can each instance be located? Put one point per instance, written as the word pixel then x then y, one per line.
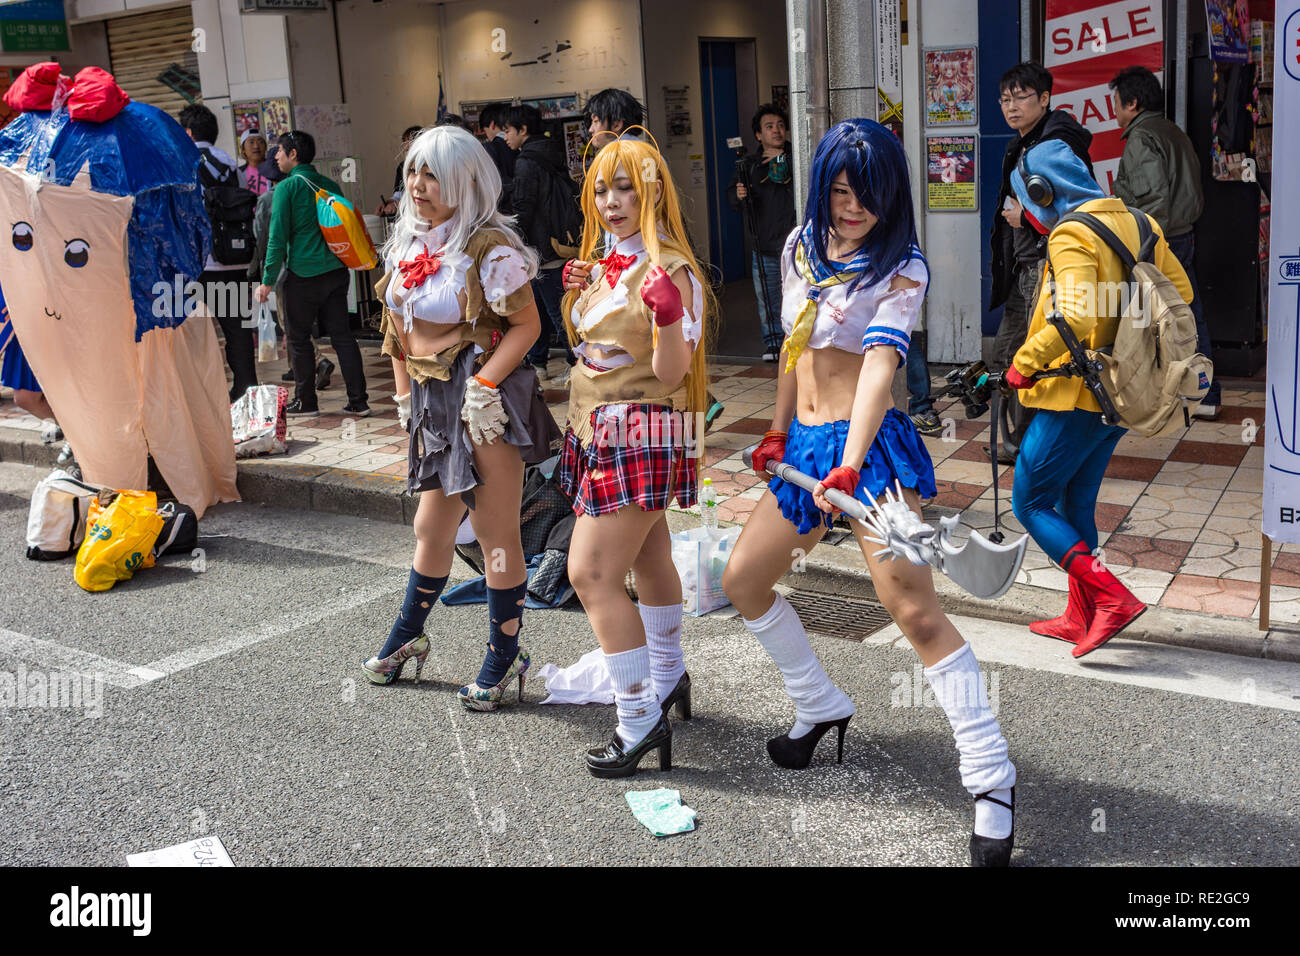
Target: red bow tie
pixel 415 271
pixel 614 264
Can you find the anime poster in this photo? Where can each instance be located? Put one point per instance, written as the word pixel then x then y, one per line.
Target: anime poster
pixel 1229 26
pixel 575 140
pixel 950 173
pixel 554 107
pixel 469 111
pixel 950 85
pixel 248 116
pixel 277 118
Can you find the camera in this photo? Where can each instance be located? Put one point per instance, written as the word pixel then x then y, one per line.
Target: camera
pixel 736 144
pixel 973 385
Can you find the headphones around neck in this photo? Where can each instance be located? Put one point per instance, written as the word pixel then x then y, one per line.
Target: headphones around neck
pixel 1038 188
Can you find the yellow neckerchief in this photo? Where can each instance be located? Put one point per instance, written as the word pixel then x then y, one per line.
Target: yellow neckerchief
pixel 798 338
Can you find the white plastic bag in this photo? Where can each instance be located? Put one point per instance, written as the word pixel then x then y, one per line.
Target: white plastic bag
pixel 257 419
pixel 700 556
pixel 266 344
pixel 56 520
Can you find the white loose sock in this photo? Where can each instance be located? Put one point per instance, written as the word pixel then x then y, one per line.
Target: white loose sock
pixel 982 750
pixel 634 694
pixel 815 698
pixel 663 639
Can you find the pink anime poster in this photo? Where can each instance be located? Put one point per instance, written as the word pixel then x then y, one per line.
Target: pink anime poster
pixel 950 85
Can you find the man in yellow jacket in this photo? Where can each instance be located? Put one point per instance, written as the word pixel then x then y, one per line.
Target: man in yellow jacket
pixel 1066 449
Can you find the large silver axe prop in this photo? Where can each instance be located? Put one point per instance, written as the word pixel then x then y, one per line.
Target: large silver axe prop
pixel 985 569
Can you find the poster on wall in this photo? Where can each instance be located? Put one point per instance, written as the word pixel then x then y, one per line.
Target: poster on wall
pixel 677 113
pixel 331 126
pixel 1282 436
pixel 781 98
pixel 554 107
pixel 950 173
pixel 889 66
pixel 1228 23
pixel 950 85
pixel 247 115
pixel 277 118
pixel 1086 43
pixel 469 110
pixel 575 139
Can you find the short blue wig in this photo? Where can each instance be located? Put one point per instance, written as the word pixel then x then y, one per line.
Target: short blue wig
pixel 875 165
pixel 141 152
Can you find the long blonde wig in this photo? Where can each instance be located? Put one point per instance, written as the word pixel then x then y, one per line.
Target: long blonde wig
pixel 662 230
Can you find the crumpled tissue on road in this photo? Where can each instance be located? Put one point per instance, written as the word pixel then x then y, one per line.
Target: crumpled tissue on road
pixel 661 811
pixel 586 682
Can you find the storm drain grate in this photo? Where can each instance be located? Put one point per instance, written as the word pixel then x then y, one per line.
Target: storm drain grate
pixel 852 619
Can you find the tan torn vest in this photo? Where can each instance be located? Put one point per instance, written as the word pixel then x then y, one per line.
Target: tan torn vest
pixel 629 328
pixel 482 326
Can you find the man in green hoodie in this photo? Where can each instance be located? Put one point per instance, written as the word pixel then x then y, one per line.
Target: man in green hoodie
pixel 316 283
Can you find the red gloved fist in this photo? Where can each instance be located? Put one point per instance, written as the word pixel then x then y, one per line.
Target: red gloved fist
pixel 570 267
pixel 663 297
pixel 771 448
pixel 843 479
pixel 1016 380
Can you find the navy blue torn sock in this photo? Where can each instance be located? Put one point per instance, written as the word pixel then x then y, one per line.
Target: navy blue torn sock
pixel 506 611
pixel 421 593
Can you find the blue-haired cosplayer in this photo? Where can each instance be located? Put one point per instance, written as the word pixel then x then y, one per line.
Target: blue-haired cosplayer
pixel 106 228
pixel 853 281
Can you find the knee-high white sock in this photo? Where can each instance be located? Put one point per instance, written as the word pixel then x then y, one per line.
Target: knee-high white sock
pixel 634 694
pixel 959 689
pixel 815 698
pixel 663 639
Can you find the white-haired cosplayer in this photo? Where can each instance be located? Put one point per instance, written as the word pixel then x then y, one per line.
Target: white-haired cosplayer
pixel 460 317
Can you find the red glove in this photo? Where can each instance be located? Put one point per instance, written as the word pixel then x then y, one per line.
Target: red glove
pixel 844 479
pixel 771 448
pixel 665 301
pixel 1016 380
pixel 578 270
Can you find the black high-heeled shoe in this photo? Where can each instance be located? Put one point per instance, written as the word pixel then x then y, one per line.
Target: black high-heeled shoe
pixel 988 851
pixel 681 696
pixel 796 753
pixel 613 761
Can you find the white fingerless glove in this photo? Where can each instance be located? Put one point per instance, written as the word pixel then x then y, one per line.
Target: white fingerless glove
pixel 483 413
pixel 403 409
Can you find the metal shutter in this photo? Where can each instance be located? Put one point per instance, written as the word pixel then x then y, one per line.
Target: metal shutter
pixel 145 45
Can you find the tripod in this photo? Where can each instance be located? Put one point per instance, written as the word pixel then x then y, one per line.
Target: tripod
pixel 751 224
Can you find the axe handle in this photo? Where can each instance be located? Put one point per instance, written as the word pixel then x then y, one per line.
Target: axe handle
pixel 847 503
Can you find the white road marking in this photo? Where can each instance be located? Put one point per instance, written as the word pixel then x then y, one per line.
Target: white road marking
pixel 1183 670
pixel 469 786
pixel 128 676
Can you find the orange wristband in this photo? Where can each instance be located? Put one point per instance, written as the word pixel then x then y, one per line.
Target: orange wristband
pixel 482 381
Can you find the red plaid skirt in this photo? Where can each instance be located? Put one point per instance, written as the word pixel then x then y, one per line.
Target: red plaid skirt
pixel 607 476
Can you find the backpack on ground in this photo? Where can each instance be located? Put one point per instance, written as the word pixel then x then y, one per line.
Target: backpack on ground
pixel 344 231
pixel 56 522
pixel 230 210
pixel 1153 370
pixel 563 214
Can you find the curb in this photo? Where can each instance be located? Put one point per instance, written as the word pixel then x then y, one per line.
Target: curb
pixel 828 570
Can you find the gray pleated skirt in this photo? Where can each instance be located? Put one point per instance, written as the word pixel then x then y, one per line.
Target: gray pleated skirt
pixel 440 454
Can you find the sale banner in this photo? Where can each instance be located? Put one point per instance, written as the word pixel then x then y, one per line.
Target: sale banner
pixel 1085 44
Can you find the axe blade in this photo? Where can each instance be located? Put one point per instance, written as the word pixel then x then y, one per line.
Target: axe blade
pixel 985 569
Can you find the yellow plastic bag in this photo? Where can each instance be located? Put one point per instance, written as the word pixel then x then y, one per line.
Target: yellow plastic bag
pixel 121 528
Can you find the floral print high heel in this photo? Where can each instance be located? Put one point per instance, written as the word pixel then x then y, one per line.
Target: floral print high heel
pixel 477 698
pixel 390 668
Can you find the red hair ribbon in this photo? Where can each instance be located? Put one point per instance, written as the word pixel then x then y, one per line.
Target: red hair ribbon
pixel 415 271
pixel 614 264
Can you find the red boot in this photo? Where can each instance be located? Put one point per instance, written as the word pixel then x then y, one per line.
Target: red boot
pixel 1115 607
pixel 1073 624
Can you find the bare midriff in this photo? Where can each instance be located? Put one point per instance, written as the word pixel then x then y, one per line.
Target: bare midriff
pixel 828 378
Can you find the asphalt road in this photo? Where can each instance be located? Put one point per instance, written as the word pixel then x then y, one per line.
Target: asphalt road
pixel 232 705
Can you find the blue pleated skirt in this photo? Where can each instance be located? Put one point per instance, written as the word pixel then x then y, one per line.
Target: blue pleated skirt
pixel 897 453
pixel 15 373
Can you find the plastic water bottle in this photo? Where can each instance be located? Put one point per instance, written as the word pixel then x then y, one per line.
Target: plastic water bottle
pixel 708 505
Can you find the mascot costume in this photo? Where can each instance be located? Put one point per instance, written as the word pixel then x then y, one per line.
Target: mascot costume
pixel 101 200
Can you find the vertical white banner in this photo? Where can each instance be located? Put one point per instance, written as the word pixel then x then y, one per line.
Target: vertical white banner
pixel 889 65
pixel 1282 428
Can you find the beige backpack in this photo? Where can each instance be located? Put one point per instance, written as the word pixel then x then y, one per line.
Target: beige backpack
pixel 1153 370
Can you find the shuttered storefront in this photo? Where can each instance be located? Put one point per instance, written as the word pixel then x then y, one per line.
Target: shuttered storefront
pixel 146 46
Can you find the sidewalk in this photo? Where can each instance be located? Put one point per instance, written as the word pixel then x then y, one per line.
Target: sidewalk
pixel 1179 517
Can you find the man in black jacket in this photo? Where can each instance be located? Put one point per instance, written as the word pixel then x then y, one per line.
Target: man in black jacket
pixel 767 203
pixel 492 119
pixel 540 167
pixel 1018 250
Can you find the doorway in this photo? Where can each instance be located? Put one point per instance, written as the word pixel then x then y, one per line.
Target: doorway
pixel 729 96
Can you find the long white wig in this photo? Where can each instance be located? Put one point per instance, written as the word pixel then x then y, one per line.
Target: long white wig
pixel 467 181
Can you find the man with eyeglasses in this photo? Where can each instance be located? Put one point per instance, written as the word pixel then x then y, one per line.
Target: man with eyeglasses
pixel 1018 250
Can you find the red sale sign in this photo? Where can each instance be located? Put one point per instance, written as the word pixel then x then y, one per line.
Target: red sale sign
pixel 1086 44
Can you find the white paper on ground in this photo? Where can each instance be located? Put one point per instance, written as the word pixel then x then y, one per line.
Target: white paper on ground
pixel 586 682
pixel 206 851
